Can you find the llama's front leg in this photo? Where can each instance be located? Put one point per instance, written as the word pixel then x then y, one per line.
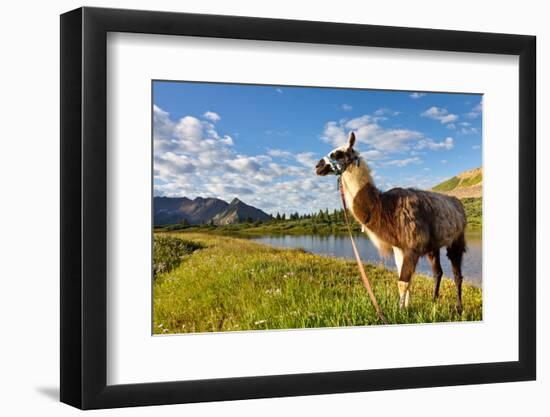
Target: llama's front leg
pixel 405 274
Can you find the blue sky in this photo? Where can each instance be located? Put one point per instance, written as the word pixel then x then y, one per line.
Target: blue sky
pixel 261 143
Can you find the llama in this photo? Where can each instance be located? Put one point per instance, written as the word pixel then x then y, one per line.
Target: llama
pixel 410 223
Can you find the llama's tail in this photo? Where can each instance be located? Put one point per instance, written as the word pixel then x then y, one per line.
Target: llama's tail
pixel 459 244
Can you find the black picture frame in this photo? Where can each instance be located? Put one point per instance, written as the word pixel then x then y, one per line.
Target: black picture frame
pixel 84 207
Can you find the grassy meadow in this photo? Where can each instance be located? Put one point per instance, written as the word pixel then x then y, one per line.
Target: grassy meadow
pixel 220 283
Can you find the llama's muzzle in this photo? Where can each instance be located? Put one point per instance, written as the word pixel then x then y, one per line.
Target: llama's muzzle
pixel 323 167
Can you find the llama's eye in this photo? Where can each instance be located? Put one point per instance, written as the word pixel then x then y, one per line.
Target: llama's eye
pixel 338 155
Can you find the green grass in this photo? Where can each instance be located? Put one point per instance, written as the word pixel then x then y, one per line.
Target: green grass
pixel 448 185
pixel 456 182
pixel 235 284
pixel 273 227
pixel 472 180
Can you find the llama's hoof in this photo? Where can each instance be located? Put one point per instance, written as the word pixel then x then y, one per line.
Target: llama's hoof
pixel 459 309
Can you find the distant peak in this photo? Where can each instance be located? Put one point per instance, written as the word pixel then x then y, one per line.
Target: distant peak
pixel 236 201
pixel 165 197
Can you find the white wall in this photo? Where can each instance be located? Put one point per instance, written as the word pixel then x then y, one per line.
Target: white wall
pixel 29 222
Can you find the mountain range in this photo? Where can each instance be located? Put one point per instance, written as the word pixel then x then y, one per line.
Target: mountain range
pixel 467 184
pixel 172 210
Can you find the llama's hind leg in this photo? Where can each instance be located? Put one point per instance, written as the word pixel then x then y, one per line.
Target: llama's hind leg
pixel 455 252
pixel 435 261
pixel 407 270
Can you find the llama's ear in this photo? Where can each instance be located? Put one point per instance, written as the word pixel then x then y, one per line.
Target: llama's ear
pixel 351 140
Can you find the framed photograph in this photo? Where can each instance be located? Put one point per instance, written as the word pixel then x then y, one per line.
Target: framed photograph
pixel 257 208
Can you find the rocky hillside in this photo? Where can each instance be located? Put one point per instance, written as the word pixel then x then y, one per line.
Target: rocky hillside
pixel 169 210
pixel 173 210
pixel 467 184
pixel 237 212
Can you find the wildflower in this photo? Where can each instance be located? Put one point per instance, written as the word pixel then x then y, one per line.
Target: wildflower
pixel 260 322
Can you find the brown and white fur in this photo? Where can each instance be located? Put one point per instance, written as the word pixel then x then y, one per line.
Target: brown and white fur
pixel 410 223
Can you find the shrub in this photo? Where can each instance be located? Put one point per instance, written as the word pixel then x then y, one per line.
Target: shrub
pixel 168 252
pixel 474 212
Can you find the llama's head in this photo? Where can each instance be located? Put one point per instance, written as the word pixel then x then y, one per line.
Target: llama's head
pixel 338 159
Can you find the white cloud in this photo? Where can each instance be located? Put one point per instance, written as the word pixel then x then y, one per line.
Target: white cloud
pixel 447 144
pixel 334 134
pixel 404 162
pixel 443 161
pixel 307 159
pixel 451 126
pixel 373 155
pixel 212 116
pixel 190 127
pixel 417 95
pixel 475 147
pixel 369 132
pixel 378 138
pixel 421 181
pixel 386 112
pixel 439 113
pixel 279 153
pixel 192 158
pixel 466 128
pixel 476 111
pixel 278 90
pixel 185 146
pixel 347 107
pixel 244 164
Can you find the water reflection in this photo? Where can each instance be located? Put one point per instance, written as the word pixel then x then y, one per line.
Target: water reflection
pixel 340 246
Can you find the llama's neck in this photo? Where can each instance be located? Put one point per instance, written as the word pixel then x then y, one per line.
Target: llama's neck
pixel 359 186
pixel 355 178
